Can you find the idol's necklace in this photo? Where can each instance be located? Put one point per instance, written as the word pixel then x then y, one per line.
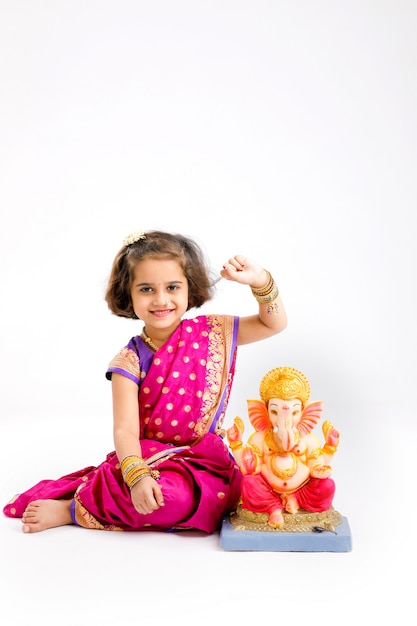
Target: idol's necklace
pixel 148 341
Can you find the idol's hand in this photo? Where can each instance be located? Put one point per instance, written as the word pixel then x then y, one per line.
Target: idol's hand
pixel 331 435
pixel 235 432
pixel 147 496
pixel 245 271
pixel 321 471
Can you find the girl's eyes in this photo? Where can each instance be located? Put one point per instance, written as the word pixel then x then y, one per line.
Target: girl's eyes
pixel 150 290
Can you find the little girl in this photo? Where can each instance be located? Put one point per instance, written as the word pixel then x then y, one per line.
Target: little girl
pixel 170 385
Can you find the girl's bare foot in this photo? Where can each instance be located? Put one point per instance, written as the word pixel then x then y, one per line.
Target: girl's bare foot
pixel 43 514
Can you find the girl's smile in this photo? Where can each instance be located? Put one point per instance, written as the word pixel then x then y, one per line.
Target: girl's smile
pixel 161 313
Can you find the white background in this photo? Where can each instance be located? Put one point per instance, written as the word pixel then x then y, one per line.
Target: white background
pixel 285 131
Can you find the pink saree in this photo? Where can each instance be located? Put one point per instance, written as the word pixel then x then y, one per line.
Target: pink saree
pixel 183 392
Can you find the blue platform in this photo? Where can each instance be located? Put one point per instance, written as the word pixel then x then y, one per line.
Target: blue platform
pixel 261 541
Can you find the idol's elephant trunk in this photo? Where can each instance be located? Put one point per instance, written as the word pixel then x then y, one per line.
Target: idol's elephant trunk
pixel 285 432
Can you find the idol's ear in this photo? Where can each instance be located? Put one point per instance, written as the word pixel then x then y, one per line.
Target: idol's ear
pixel 310 417
pixel 258 415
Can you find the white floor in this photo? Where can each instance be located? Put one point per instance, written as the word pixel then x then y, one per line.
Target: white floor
pixel 70 575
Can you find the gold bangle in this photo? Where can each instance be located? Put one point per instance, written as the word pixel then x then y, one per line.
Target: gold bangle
pixel 270 297
pixel 130 460
pixel 261 291
pixel 134 468
pixel 132 477
pixel 234 445
pixel 155 474
pixel 136 480
pixel 268 293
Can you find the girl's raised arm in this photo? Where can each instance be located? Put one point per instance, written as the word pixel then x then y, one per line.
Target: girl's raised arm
pixel 271 317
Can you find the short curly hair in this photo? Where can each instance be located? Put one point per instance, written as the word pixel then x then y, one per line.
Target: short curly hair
pixel 159 245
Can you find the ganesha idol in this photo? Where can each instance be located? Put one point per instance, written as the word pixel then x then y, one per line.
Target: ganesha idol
pixel 285 467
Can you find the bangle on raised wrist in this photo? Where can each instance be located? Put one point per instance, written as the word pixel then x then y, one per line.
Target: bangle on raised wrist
pixel 268 293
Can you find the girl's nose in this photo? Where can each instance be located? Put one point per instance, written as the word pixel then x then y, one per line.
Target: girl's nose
pixel 161 300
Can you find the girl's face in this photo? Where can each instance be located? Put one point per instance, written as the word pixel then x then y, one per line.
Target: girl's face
pixel 159 292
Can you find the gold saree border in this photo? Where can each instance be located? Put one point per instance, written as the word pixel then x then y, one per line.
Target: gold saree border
pixel 82 517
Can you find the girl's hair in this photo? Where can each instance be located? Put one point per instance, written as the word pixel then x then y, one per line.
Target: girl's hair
pixel 158 245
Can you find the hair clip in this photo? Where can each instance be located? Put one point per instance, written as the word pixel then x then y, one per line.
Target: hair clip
pixel 134 237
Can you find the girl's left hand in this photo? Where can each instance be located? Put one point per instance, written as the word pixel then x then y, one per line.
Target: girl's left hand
pixel 245 271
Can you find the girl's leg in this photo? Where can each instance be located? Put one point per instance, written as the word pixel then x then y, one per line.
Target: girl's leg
pixel 43 514
pixel 179 495
pixel 116 511
pixel 180 500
